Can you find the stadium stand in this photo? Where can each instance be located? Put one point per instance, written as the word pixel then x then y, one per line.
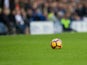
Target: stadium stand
pixel 19 13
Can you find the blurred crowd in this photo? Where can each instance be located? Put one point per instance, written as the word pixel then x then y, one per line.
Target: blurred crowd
pixel 16 15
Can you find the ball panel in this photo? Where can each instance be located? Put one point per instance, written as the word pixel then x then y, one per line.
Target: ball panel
pixel 53 44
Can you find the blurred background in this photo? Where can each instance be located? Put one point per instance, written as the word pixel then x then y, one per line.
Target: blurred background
pixel 42 16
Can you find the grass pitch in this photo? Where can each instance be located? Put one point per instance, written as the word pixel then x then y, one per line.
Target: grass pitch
pixel 36 50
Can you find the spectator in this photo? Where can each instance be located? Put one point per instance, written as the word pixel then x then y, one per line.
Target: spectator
pixel 65 21
pixel 29 14
pixel 7 4
pixel 79 10
pixel 52 17
pixel 12 4
pixel 6 20
pixel 19 22
pixel 85 9
pixel 38 15
pixel 12 19
pixel 26 21
pixel 1 3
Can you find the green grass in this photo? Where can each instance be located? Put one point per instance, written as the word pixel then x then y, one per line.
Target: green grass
pixel 36 50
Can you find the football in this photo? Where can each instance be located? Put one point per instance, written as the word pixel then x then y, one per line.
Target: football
pixel 56 43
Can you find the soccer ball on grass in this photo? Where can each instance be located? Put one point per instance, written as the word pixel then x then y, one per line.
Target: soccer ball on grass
pixel 56 43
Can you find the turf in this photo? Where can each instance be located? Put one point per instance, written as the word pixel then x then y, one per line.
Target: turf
pixel 36 50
